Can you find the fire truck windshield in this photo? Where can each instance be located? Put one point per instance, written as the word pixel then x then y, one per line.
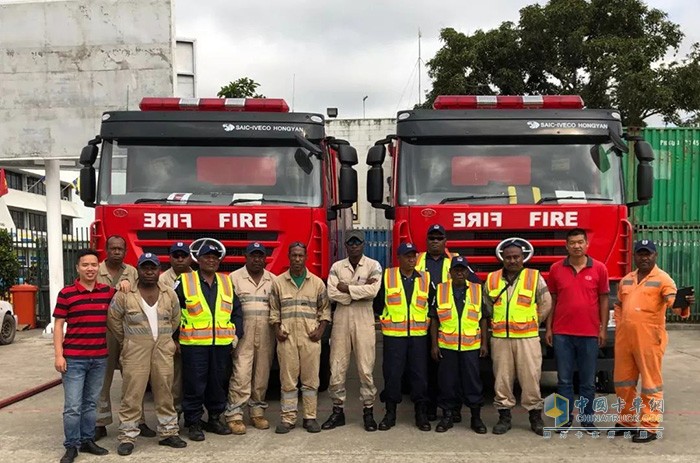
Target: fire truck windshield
pixel 508 174
pixel 218 175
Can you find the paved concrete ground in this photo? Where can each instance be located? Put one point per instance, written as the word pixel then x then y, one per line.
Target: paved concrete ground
pixel 31 430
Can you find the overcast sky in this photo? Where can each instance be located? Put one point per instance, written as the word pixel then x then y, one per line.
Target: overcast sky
pixel 331 53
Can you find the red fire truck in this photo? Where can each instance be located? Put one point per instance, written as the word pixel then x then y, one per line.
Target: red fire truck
pixel 493 167
pixel 235 170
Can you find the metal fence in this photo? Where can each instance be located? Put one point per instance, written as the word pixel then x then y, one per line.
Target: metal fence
pixel 32 252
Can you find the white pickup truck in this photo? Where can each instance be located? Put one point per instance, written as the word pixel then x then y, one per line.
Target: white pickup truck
pixel 9 323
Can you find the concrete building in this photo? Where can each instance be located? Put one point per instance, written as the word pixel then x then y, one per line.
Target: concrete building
pixel 362 134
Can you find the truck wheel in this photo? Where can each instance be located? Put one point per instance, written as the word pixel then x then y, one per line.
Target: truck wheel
pixel 8 330
pixel 604 382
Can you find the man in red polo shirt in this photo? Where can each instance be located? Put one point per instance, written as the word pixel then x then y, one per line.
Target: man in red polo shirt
pixel 578 324
pixel 81 355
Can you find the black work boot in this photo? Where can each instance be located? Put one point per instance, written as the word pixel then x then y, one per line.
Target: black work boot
pixel 446 421
pixel 215 426
pixel 503 425
pixel 337 418
pixel 389 420
pixel 368 419
pixel 457 414
pixel 422 421
pixel 536 423
pixel 477 425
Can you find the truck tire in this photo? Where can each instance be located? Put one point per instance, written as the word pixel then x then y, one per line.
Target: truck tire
pixel 8 329
pixel 604 382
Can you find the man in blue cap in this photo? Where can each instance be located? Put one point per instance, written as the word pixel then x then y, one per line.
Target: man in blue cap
pixel 146 317
pixel 210 327
pixel 253 356
pixel 644 296
pixel 402 302
pixel 459 336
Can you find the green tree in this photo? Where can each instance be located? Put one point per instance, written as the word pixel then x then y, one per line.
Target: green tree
pixel 240 88
pixel 611 52
pixel 9 264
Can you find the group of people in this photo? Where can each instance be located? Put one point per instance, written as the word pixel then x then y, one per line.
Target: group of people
pixel 204 340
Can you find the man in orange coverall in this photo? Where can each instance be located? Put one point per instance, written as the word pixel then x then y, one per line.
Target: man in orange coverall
pixel 640 341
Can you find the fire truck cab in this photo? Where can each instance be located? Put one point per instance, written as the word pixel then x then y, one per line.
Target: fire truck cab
pixel 493 167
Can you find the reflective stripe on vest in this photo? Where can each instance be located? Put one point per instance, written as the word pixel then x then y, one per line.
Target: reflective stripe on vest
pixel 515 317
pixel 449 334
pixel 197 327
pixel 398 319
pixel 421 264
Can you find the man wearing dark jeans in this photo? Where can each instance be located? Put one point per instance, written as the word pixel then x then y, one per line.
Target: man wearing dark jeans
pixel 578 325
pixel 81 355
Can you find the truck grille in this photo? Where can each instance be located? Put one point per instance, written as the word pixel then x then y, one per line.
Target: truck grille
pixel 158 242
pixel 549 247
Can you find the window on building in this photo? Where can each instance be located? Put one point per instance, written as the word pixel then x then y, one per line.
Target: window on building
pixel 36 185
pixel 66 225
pixel 14 180
pixel 36 221
pixel 66 191
pixel 17 217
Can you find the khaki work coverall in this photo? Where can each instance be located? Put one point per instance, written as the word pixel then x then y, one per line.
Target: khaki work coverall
pixel 299 310
pixel 104 406
pixel 252 358
pixel 144 358
pixel 353 327
pixel 168 278
pixel 518 358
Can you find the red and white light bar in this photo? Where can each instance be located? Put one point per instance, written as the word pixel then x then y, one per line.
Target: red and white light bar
pixel 508 102
pixel 263 105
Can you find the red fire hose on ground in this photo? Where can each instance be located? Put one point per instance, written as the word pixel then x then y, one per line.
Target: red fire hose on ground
pixel 29 393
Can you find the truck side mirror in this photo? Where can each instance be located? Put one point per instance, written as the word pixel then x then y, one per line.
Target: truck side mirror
pixel 347 186
pixel 643 151
pixel 645 181
pixel 88 155
pixel 347 155
pixel 376 155
pixel 375 185
pixel 88 185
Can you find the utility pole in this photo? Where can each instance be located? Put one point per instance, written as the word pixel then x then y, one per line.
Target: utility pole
pixel 419 61
pixel 363 106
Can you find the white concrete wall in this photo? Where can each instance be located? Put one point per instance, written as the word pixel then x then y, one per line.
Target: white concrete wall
pixel 63 63
pixel 362 133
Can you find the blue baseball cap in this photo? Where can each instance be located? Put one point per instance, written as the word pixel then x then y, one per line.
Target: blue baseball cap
pixel 437 228
pixel 148 257
pixel 644 244
pixel 179 246
pixel 209 249
pixel 406 248
pixel 255 247
pixel 459 261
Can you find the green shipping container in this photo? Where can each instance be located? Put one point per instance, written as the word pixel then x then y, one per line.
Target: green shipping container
pixel 678 255
pixel 676 178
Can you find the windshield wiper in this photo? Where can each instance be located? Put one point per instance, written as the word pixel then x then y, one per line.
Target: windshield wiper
pixel 263 200
pixel 587 198
pixel 166 200
pixel 454 199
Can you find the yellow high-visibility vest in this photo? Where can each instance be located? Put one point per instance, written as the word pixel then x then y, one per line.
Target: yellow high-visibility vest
pixel 197 326
pixel 455 332
pixel 514 317
pixel 421 264
pixel 399 318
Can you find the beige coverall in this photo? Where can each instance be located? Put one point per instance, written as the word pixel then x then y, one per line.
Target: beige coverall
pixel 299 310
pixel 353 327
pixel 104 406
pixel 519 358
pixel 253 355
pixel 145 355
pixel 168 278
